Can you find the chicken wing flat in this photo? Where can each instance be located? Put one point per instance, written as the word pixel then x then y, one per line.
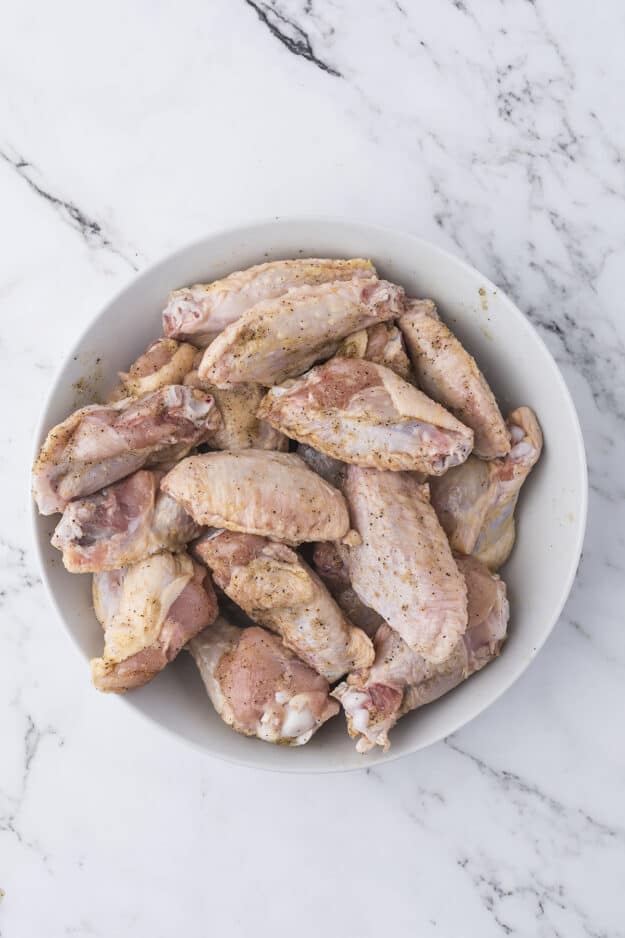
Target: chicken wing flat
pixel 274 586
pixel 259 687
pixel 365 414
pixel 259 492
pixel 331 567
pixel 202 311
pixel 382 344
pixel 447 372
pixel 100 444
pixel 475 502
pixel 404 568
pixel 149 611
pixel 401 680
pixel 163 362
pixel 122 524
pixel 282 337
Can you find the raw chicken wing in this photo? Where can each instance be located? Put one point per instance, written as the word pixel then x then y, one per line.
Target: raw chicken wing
pixel 163 362
pixel 365 414
pixel 274 586
pixel 259 687
pixel 382 344
pixel 332 470
pixel 332 569
pixel 259 492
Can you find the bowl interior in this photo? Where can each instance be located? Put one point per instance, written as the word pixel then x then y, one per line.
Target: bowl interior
pixel 550 516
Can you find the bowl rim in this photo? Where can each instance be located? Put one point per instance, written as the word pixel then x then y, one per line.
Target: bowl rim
pixel 41 429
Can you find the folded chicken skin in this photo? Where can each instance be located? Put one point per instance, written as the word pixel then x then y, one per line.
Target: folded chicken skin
pixel 382 344
pixel 401 680
pixel 259 492
pixel 362 413
pixel 122 524
pixel 282 337
pixel 258 686
pixel 99 444
pixel 447 372
pixel 163 362
pixel 202 311
pixel 404 568
pixel 475 502
pixel 149 611
pixel 274 586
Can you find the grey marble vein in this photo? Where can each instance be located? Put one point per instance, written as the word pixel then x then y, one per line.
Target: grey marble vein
pixel 291 34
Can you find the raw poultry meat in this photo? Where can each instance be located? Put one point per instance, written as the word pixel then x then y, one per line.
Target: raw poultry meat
pixel 401 680
pixel 202 311
pixel 261 492
pixel 281 337
pixel 404 568
pixel 332 470
pixel 274 586
pixel 259 687
pixel 149 611
pixel 365 414
pixel 122 524
pixel 382 344
pixel 163 362
pixel 100 444
pixel 332 569
pixel 447 372
pixel 475 502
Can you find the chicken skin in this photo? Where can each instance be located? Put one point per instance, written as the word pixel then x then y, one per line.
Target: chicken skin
pixel 100 444
pixel 204 310
pixel 404 568
pixel 332 569
pixel 260 492
pixel 365 414
pixel 475 502
pixel 274 586
pixel 447 372
pixel 163 362
pixel 149 611
pixel 401 680
pixel 281 337
pixel 382 344
pixel 122 524
pixel 259 687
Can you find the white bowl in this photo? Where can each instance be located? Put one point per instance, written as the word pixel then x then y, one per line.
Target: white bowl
pixel 551 513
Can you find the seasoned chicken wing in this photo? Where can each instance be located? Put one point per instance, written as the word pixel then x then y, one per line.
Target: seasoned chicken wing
pixel 282 337
pixel 401 680
pixel 163 362
pixel 274 586
pixel 100 444
pixel 365 414
pixel 475 502
pixel 202 311
pixel 404 568
pixel 332 569
pixel 259 492
pixel 240 427
pixel 447 372
pixel 382 344
pixel 122 524
pixel 149 611
pixel 259 687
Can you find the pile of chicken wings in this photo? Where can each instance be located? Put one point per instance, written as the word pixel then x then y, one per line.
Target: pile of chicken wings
pixel 308 483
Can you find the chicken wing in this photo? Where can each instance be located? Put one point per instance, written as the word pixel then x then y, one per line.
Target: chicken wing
pixel 401 680
pixel 163 362
pixel 404 568
pixel 332 470
pixel 332 569
pixel 148 611
pixel 447 372
pixel 240 428
pixel 122 524
pixel 100 444
pixel 274 586
pixel 202 311
pixel 382 344
pixel 475 502
pixel 259 492
pixel 281 337
pixel 259 687
pixel 365 414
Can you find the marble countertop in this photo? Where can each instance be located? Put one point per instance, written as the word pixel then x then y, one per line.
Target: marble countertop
pixel 495 130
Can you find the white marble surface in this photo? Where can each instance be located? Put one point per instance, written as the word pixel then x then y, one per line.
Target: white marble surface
pixel 496 130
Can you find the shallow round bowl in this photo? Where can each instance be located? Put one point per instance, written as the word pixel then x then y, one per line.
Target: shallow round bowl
pixel 551 513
